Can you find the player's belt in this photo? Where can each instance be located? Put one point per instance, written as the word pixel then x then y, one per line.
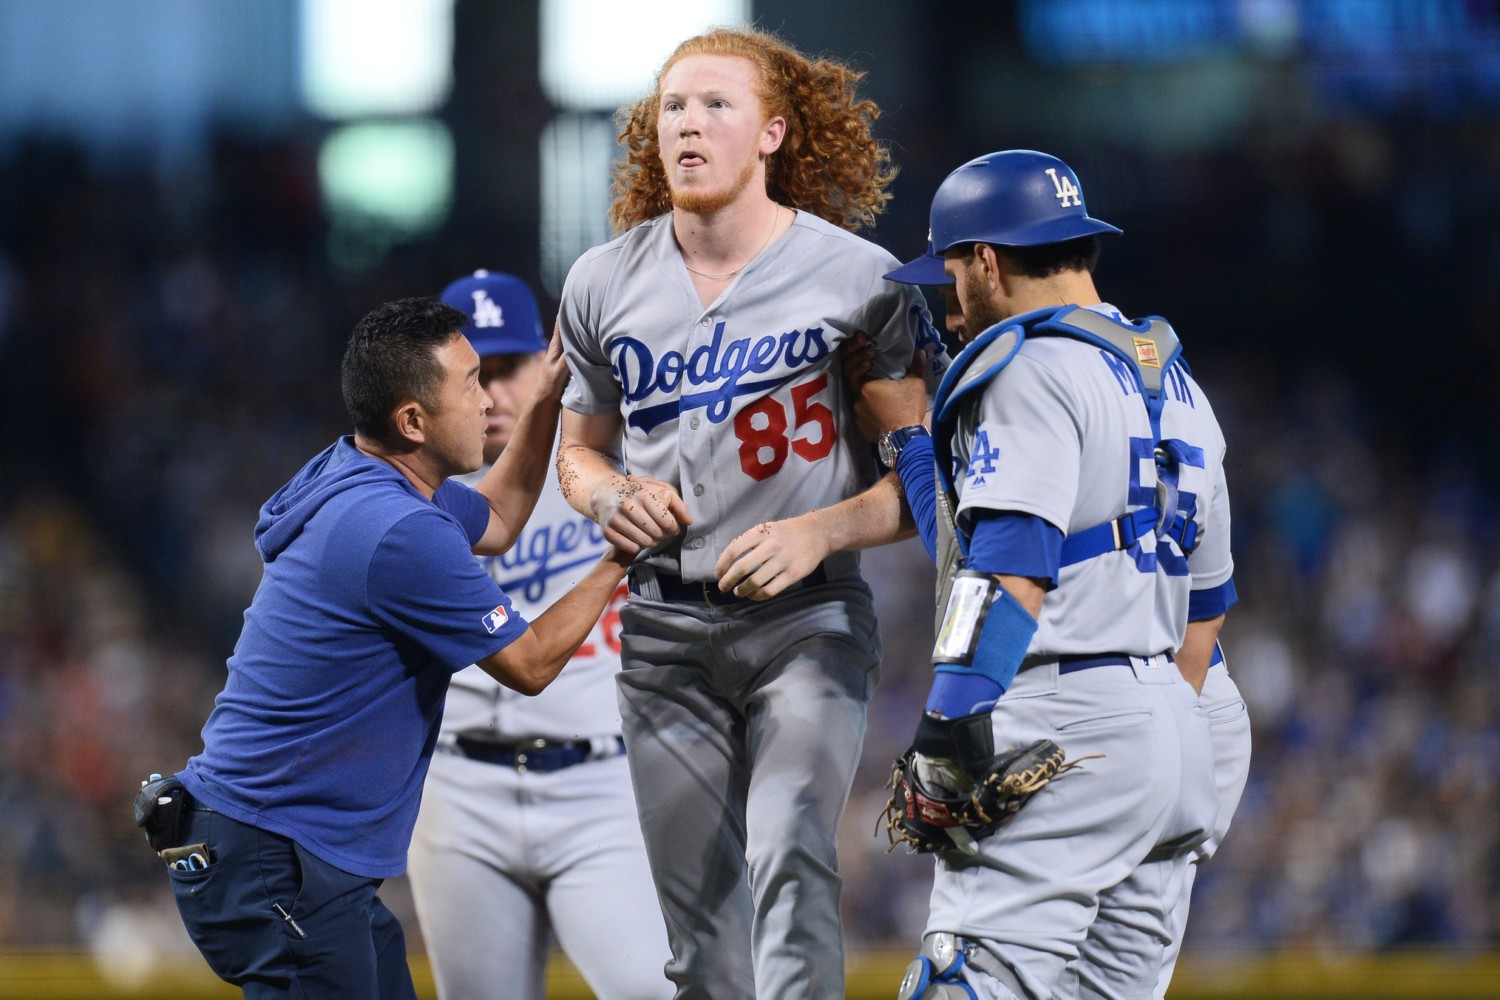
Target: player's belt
pixel 536 755
pixel 1072 664
pixel 675 590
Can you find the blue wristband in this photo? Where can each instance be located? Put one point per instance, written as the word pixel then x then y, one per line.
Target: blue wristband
pixel 982 669
pixel 955 694
pixel 919 482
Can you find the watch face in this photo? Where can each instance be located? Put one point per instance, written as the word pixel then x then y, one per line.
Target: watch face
pixel 891 442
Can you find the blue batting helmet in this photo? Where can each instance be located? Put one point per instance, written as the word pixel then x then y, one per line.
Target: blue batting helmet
pixel 1015 198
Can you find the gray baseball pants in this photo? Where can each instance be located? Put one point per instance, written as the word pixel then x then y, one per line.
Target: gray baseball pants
pixel 744 725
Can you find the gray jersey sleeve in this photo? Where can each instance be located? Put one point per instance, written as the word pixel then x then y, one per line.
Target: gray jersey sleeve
pixel 1211 563
pixel 1190 417
pixel 593 389
pixel 890 317
pixel 1025 451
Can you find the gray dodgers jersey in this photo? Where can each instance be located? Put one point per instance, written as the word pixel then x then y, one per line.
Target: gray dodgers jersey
pixel 740 406
pixel 1060 433
pixel 554 551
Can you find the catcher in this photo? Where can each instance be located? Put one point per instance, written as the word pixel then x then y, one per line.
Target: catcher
pixel 1072 491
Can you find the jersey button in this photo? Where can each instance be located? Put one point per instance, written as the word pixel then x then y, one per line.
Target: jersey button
pixel 706 320
pixel 693 423
pixel 696 543
pixel 697 489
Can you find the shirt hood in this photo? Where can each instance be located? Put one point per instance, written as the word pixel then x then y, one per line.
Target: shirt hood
pixel 339 467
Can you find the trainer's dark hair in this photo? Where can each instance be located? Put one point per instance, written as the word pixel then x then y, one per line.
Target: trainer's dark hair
pixel 1078 254
pixel 392 357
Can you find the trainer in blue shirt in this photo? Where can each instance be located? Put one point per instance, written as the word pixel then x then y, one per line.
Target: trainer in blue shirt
pixel 305 794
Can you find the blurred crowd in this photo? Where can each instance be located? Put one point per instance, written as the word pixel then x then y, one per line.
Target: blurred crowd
pixel 168 355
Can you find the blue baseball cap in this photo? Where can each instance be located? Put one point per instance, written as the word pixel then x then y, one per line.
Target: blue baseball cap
pixel 504 316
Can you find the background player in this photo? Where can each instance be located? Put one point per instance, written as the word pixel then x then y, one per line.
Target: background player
pixel 703 341
pixel 1085 568
pixel 528 825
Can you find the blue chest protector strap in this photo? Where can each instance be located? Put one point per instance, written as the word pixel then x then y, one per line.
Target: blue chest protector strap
pixel 979 362
pixel 1149 349
pixel 997 629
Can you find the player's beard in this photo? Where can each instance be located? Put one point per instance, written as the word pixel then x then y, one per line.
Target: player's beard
pixel 979 311
pixel 699 201
pixel 979 316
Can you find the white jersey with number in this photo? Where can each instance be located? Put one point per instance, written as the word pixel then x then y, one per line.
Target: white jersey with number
pixel 554 551
pixel 1063 433
pixel 740 406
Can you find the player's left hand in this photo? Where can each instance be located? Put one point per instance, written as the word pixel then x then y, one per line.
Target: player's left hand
pixel 937 803
pixel 967 741
pixel 770 557
pixel 929 805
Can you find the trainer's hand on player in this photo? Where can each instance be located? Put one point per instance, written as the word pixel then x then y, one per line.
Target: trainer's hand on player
pixel 618 557
pixel 884 404
pixel 639 512
pixel 770 557
pixel 555 371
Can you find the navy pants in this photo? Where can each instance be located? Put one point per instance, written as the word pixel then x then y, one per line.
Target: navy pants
pixel 278 922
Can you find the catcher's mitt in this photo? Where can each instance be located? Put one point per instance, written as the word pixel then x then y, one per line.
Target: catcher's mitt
pixel 929 819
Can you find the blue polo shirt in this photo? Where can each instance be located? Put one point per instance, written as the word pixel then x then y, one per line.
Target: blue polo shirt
pixel 371 598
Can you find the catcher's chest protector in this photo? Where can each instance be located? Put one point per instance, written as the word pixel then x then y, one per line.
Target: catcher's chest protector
pixel 1146 350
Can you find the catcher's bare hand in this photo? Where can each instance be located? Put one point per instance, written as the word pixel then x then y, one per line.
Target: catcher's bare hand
pixel 884 404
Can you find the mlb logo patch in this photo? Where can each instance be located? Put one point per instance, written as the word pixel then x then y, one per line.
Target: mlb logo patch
pixel 1145 352
pixel 495 619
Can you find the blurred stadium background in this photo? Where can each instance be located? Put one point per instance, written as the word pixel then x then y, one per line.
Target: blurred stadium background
pixel 199 197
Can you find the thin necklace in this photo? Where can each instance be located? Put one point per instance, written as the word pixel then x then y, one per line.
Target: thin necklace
pixel 775 215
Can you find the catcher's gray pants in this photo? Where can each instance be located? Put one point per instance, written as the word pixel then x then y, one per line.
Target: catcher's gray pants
pixel 744 725
pixel 1121 823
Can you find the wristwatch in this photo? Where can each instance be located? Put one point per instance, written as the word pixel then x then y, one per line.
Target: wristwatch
pixel 891 442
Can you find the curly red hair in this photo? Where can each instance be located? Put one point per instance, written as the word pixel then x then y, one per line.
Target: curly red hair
pixel 828 164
